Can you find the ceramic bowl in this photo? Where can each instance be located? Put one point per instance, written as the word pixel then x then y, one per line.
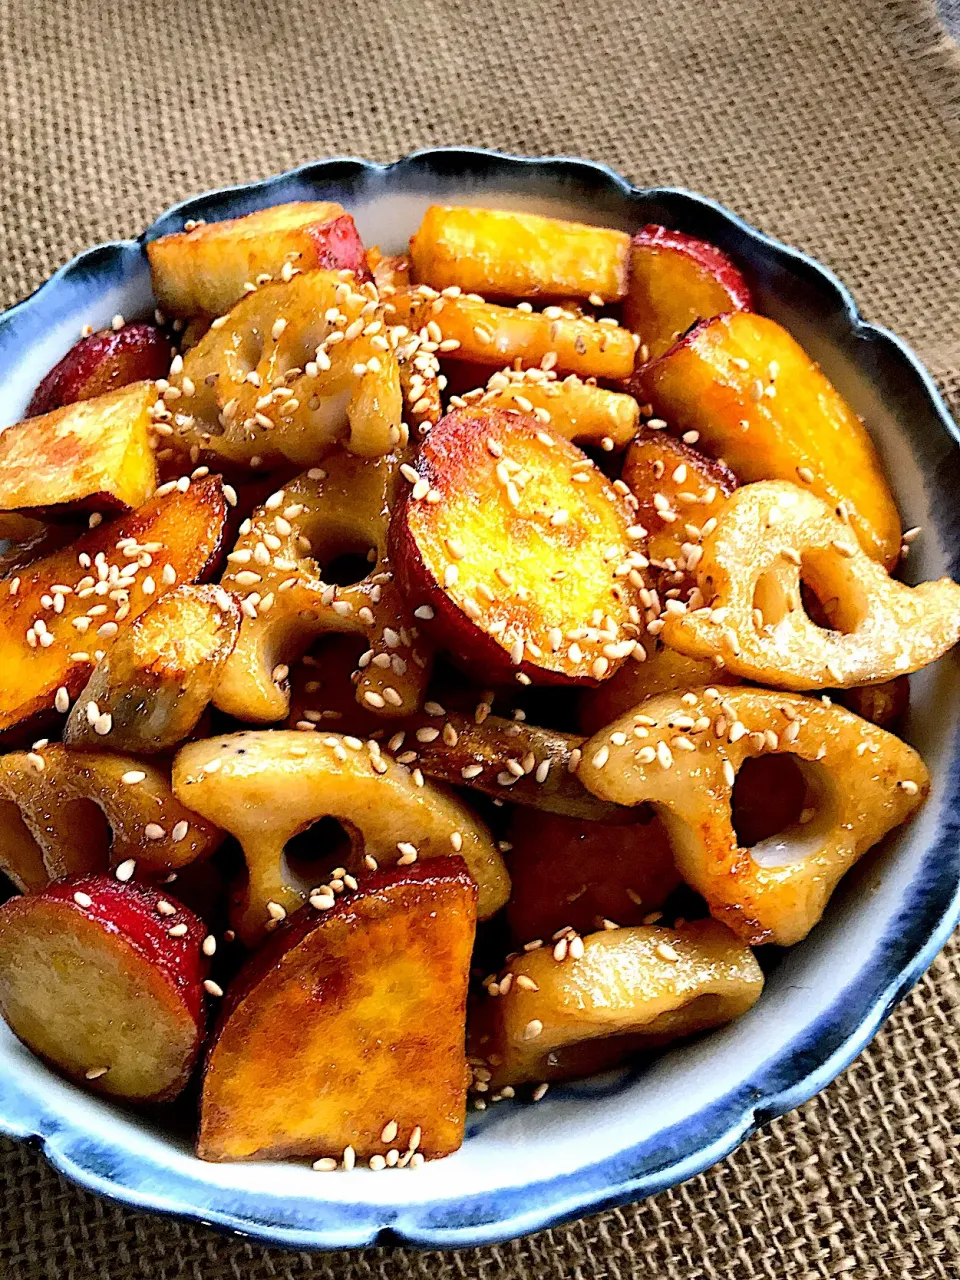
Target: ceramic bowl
pixel 619 1138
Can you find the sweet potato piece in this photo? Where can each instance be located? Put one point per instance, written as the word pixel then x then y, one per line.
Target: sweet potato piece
pixel 294 368
pixel 97 982
pixel 203 271
pixel 631 988
pixel 487 334
pixel 277 568
pixel 518 255
pixel 175 537
pixel 51 830
pixel 680 493
pixel 344 1036
pixel 675 281
pixel 160 674
pixel 103 362
pixel 91 456
pixel 883 704
pixel 861 783
pixel 565 872
pixel 770 538
pixel 504 758
pixel 498 489
pixel 268 786
pixel 655 668
pixel 759 401
pixel 577 410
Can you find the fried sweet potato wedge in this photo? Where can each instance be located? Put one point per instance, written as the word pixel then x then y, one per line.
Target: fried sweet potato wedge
pixel 204 271
pixel 680 492
pixel 267 786
pixel 760 402
pixel 577 410
pixel 344 1037
pixel 277 568
pixel 683 757
pixel 294 368
pixel 771 537
pixel 62 611
pixel 630 989
pixel 486 334
pixel 160 674
pixel 676 281
pixel 99 982
pixel 67 812
pixel 507 759
pixel 655 668
pixel 566 873
pixel 103 362
pixel 518 255
pixel 91 456
pixel 509 546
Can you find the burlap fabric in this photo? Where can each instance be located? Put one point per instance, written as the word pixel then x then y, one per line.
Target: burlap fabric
pixel 835 126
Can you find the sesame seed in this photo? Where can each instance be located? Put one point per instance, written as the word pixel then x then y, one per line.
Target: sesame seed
pixel 540 1091
pixel 666 952
pixel 103 724
pixel 533 1029
pixel 326 1164
pixel 212 988
pixel 125 870
pixel 908 786
pixel 373 699
pixel 177 931
pixel 83 900
pixel 36 761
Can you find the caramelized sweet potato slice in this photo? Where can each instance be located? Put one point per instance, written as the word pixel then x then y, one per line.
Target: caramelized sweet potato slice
pixel 278 567
pixel 100 363
pixel 759 401
pixel 97 981
pixel 50 800
pixel 267 786
pixel 770 538
pixel 655 669
pixel 160 674
pixel 294 368
pixel 510 546
pixel 569 873
pixel 507 759
pixel 630 989
pixel 675 281
pixel 61 611
pixel 205 270
pixel 680 493
pixel 91 456
pixel 344 1037
pixel 518 255
pixel 577 410
pixel 683 756
pixel 487 334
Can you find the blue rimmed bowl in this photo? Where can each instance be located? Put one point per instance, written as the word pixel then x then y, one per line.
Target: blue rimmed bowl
pixel 603 1142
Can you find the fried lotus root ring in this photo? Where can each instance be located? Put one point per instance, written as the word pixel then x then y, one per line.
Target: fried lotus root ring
pixel 293 369
pixel 276 570
pixel 770 537
pixel 681 753
pixel 46 831
pixel 266 786
pixel 632 988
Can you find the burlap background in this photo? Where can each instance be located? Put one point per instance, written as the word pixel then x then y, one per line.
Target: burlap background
pixel 832 125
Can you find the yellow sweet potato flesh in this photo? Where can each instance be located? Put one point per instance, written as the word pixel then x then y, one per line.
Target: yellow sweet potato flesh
pixel 294 368
pixel 49 829
pixel 649 983
pixel 518 255
pixel 270 785
pixel 94 455
pixel 352 1024
pixel 488 334
pixel 682 757
pixel 160 675
pixel 760 402
pixel 203 271
pixel 771 537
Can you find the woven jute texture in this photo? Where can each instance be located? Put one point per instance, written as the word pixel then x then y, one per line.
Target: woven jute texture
pixel 832 125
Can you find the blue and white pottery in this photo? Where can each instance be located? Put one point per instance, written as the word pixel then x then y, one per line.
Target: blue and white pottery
pixel 599 1143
